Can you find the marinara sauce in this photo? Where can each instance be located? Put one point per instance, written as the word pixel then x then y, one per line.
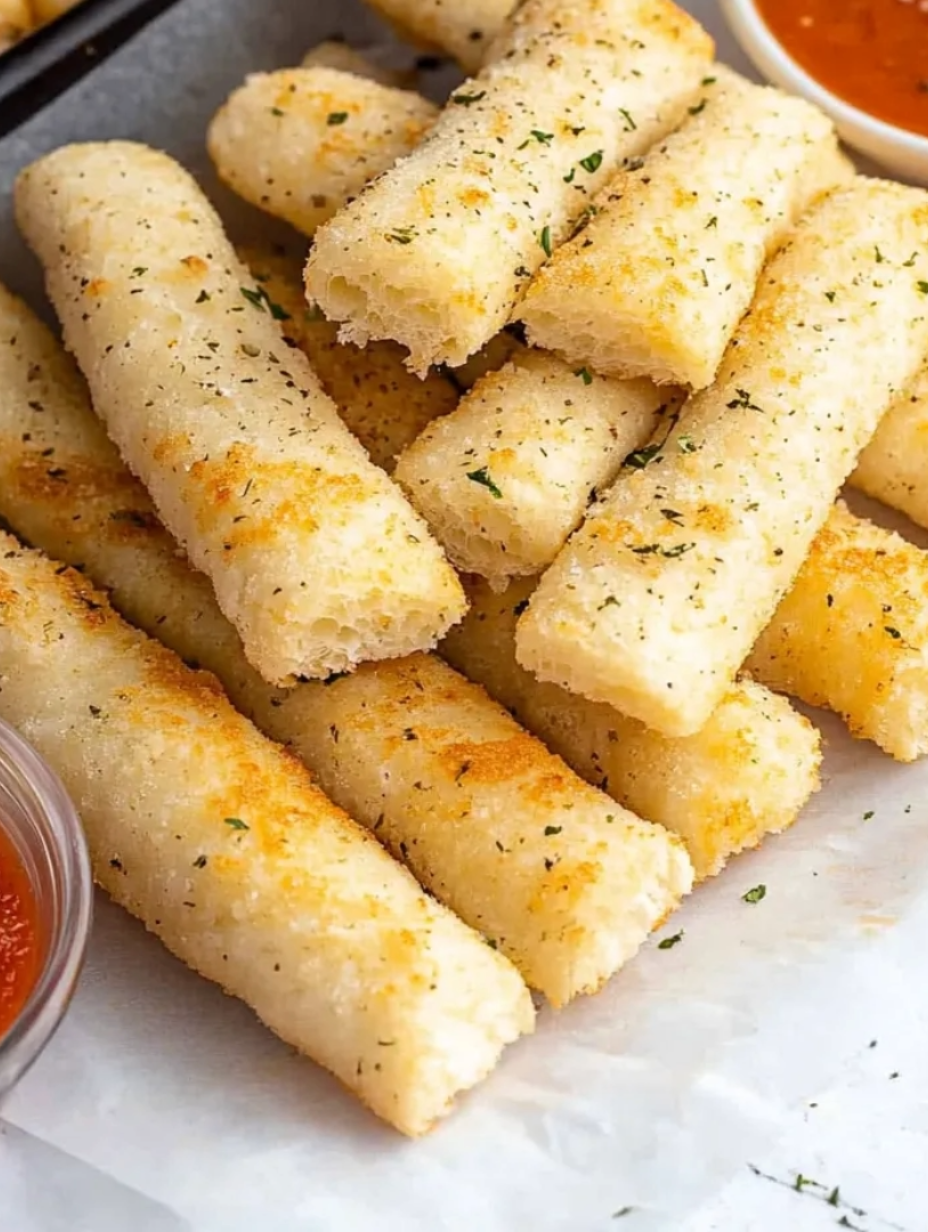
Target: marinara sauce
pixel 19 935
pixel 871 53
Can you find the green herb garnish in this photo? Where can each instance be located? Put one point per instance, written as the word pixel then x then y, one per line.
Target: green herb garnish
pixel 260 299
pixel 592 162
pixel 640 458
pixel 482 476
pixel 669 942
pixel 402 235
pixel 743 402
pixel 655 549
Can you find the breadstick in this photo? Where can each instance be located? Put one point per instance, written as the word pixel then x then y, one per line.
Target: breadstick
pixel 383 404
pixel 894 466
pixel 556 875
pixel 220 843
pixel 48 10
pixel 313 553
pixel 301 142
pixel 563 880
pixel 657 600
pixel 747 774
pixel 657 283
pixel 506 478
pixel 333 54
pixel 436 254
pixel 852 634
pixel 463 30
pixel 15 21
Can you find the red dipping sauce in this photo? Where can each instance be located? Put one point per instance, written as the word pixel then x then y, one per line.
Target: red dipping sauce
pixel 20 956
pixel 871 53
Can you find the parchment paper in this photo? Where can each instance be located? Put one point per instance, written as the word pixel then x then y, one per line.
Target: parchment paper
pixel 162 1105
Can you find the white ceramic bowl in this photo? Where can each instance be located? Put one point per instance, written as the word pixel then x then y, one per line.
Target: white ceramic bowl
pixel 899 151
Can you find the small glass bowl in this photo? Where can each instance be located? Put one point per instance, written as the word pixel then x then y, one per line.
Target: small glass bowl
pixel 40 820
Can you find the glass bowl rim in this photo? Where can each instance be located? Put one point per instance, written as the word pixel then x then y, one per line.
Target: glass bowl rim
pixel 69 862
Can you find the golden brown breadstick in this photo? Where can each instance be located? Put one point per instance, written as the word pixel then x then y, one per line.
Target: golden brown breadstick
pixel 747 774
pixel 15 21
pixel 658 282
pixel 852 634
pixel 504 479
pixel 436 254
pixel 334 54
pixel 657 600
pixel 464 29
pixel 47 10
pixel 301 142
pixel 221 844
pixel 894 466
pixel 314 555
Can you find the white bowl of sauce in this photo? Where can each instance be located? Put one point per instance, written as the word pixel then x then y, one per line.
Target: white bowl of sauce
pixel 864 62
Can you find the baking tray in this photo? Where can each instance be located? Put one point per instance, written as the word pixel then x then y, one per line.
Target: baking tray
pixel 44 64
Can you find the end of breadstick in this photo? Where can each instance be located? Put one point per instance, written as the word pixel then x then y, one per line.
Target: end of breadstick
pixel 852 634
pixel 657 282
pixel 751 771
pixel 892 468
pixel 300 143
pixel 371 298
pixel 347 59
pixel 464 31
pixel 478 1001
pixel 558 641
pixel 506 477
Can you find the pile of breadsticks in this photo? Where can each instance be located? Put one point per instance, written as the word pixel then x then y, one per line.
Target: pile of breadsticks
pixel 620 325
